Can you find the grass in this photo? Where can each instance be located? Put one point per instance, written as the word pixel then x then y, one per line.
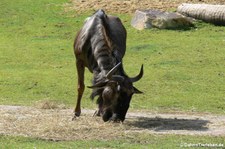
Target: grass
pixel 183 70
pixel 37 60
pixel 131 142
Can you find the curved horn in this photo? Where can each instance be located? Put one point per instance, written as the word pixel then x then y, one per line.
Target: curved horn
pixel 112 71
pixel 98 85
pixel 117 78
pixel 139 76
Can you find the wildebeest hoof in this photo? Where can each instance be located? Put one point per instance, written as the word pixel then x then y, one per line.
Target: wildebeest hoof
pixel 73 119
pixel 97 113
pixel 76 114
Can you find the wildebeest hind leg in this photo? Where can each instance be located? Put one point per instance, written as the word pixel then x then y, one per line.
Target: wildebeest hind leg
pixel 80 87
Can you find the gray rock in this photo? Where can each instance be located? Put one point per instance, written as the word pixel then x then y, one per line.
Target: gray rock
pixel 159 19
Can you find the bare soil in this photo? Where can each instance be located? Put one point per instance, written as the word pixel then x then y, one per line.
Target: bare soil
pixel 129 6
pixel 56 124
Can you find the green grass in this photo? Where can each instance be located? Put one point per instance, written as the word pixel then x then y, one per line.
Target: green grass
pixel 37 59
pixel 131 142
pixel 183 70
pixel 187 70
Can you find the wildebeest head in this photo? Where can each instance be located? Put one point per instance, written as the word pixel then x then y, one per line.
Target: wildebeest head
pixel 117 91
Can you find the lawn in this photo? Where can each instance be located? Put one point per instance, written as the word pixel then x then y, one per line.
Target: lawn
pixel 131 142
pixel 184 70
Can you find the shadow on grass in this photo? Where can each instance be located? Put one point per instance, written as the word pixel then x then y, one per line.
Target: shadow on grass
pixel 161 124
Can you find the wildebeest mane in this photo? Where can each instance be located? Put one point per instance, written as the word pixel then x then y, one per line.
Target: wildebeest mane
pixel 102 27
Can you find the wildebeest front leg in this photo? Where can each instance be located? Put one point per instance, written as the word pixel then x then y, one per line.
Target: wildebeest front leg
pixel 80 87
pixel 100 107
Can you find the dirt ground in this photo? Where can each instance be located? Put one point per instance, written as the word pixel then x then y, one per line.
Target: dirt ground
pixel 56 124
pixel 129 6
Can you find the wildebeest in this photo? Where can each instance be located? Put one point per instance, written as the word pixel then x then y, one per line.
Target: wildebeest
pixel 100 46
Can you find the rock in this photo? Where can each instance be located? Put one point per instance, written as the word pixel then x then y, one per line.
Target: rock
pixel 159 19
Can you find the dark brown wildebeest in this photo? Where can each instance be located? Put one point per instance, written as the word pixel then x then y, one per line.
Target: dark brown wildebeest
pixel 100 46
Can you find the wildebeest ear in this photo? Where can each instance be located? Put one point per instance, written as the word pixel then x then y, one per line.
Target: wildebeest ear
pixel 136 91
pixel 98 85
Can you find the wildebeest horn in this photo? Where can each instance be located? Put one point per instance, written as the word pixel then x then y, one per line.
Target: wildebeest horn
pixel 139 76
pixel 112 71
pixel 98 85
pixel 117 78
pixel 109 76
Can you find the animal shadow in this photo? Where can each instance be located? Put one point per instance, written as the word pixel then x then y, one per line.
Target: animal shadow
pixel 163 124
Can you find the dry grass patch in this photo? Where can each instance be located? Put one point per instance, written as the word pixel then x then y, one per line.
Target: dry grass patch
pixel 129 6
pixel 49 104
pixel 56 124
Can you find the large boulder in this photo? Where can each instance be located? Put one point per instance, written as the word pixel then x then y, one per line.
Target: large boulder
pixel 159 19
